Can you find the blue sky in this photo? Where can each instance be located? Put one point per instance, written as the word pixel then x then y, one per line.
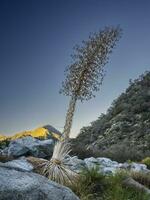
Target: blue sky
pixel 36 40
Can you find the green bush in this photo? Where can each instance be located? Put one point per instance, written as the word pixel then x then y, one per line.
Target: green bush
pixel 81 152
pixel 146 161
pixel 92 185
pixel 121 152
pixel 4 143
pixel 117 191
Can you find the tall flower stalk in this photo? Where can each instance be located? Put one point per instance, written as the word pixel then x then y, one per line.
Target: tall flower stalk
pixel 83 78
pixel 85 75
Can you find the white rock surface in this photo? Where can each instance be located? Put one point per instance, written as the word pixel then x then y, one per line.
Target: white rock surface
pixel 105 165
pixel 19 164
pixel 75 163
pixel 17 185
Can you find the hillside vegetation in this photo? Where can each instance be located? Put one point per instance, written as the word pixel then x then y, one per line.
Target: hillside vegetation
pixel 124 131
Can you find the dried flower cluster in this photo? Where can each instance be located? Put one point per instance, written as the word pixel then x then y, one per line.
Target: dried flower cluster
pixel 85 75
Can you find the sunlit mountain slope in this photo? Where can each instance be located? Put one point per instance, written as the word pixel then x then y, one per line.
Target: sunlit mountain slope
pixel 41 132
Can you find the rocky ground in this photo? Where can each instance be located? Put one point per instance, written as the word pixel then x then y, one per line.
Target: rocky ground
pixel 18 180
pixel 28 146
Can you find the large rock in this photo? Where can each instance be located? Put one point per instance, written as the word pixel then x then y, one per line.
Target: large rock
pixel 107 166
pixel 30 146
pixel 75 164
pixel 91 162
pixel 137 167
pixel 104 165
pixel 19 164
pixel 17 185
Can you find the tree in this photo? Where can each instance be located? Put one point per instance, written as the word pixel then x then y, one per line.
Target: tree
pixel 85 75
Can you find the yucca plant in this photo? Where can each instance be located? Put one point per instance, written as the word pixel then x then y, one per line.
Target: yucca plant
pixel 57 169
pixel 84 77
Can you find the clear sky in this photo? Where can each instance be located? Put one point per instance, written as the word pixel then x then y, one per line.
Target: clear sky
pixel 36 40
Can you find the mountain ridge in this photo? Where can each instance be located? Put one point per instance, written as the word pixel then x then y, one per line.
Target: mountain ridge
pixel 41 132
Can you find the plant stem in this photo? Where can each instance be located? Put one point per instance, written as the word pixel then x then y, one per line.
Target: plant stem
pixel 69 117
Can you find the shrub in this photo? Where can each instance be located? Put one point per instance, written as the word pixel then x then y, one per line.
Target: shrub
pixel 119 152
pixel 95 186
pixel 117 191
pixel 129 161
pixel 123 152
pixel 90 185
pixel 146 161
pixel 4 143
pixel 81 152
